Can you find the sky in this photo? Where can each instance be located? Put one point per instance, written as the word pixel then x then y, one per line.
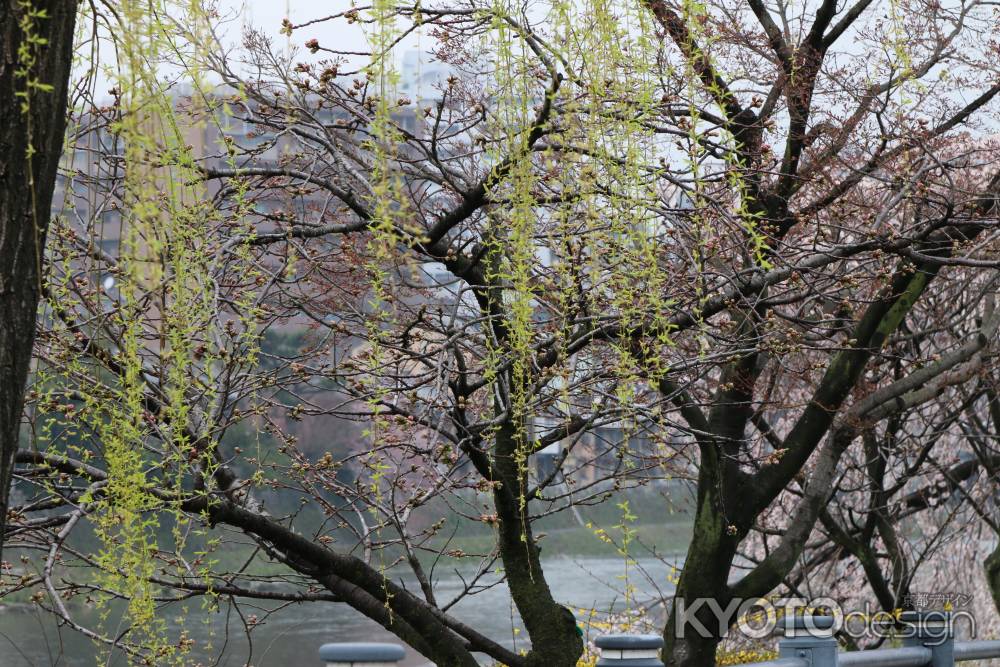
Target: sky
pixel 266 16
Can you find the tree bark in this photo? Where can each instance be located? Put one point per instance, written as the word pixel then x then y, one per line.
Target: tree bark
pixel 691 638
pixel 31 142
pixel 992 568
pixel 551 627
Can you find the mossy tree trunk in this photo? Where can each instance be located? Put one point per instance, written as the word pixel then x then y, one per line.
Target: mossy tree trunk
pixel 31 141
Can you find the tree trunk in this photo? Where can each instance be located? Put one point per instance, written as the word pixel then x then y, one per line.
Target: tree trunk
pixel 992 567
pixel 704 578
pixel 31 140
pixel 551 627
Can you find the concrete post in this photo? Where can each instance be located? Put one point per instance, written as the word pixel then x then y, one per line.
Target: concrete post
pixel 809 638
pixel 629 650
pixel 933 630
pixel 361 655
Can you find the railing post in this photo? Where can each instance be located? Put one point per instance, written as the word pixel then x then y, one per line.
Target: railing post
pixel 809 638
pixel 933 630
pixel 357 654
pixel 629 650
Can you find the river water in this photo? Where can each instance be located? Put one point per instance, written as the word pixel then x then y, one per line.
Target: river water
pixel 292 636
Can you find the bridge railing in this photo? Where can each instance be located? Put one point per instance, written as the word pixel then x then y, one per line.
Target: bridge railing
pixel 808 641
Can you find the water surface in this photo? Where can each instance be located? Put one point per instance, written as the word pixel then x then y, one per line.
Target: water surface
pixel 292 636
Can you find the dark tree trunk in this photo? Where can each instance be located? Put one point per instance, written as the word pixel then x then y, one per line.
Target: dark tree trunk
pixel 26 186
pixel 704 577
pixel 551 627
pixel 992 568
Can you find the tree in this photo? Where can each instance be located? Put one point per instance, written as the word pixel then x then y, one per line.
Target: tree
pixel 711 223
pixel 34 75
pixel 903 512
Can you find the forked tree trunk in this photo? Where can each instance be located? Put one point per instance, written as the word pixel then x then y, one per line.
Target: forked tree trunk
pixel 27 180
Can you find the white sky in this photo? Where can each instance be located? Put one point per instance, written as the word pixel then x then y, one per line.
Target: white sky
pixel 266 17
